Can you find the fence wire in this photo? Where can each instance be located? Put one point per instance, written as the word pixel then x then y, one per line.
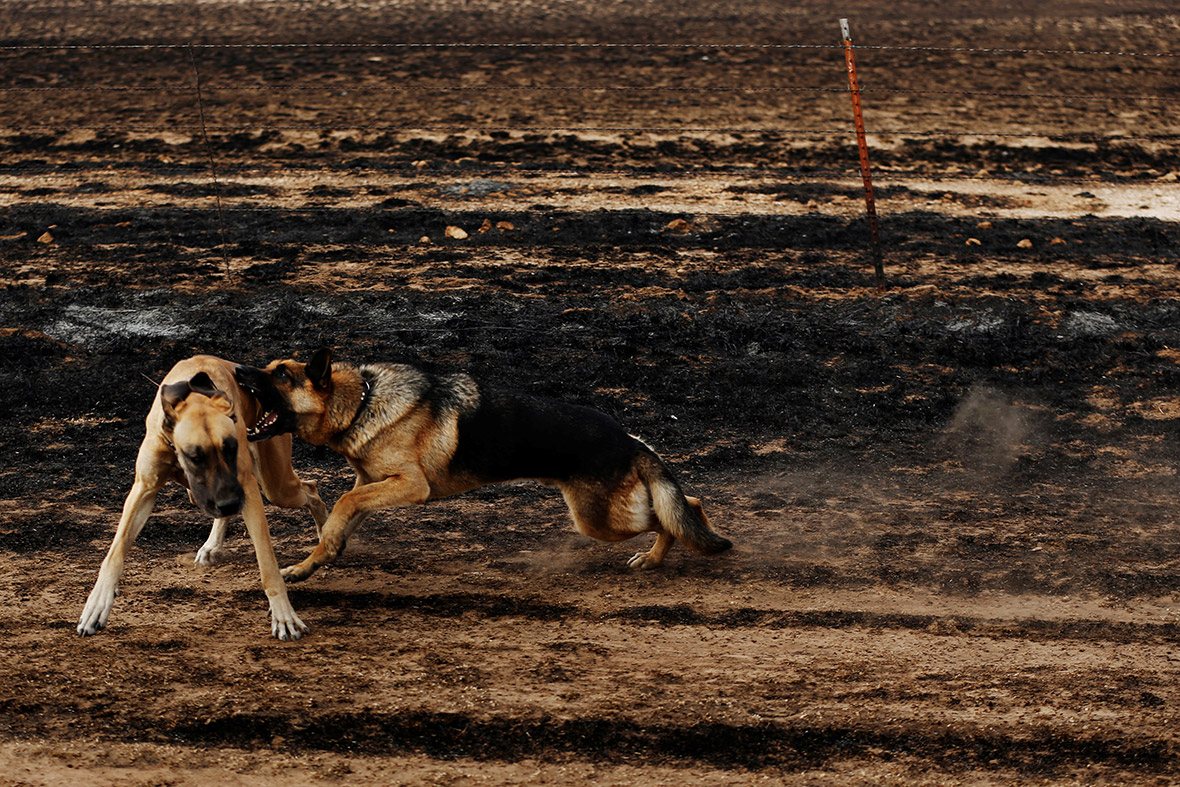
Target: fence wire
pixel 356 88
pixel 217 166
pixel 602 45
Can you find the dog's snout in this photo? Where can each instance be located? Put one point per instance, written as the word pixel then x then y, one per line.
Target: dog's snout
pixel 228 505
pixel 244 375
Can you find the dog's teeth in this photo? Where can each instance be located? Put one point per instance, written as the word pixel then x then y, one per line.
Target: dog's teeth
pixel 265 421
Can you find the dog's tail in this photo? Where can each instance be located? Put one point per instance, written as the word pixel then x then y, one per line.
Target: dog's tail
pixel 687 523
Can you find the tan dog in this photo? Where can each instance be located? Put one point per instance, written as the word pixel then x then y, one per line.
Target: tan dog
pixel 412 436
pixel 196 436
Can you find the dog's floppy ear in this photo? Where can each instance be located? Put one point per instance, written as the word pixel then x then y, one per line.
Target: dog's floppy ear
pixel 319 369
pixel 172 394
pixel 201 383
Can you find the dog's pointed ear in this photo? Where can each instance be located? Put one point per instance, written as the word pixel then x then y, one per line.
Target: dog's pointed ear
pixel 319 369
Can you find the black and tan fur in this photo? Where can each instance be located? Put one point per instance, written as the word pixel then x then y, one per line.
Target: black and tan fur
pixel 412 436
pixel 196 435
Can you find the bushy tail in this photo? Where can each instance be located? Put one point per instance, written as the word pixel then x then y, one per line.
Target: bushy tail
pixel 687 524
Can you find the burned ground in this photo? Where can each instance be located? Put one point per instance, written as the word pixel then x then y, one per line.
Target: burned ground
pixel 952 501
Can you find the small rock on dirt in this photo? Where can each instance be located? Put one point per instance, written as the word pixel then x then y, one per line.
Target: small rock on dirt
pixel 1081 324
pixel 476 188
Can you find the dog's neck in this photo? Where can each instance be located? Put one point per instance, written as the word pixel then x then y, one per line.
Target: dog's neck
pixel 366 389
pixel 358 402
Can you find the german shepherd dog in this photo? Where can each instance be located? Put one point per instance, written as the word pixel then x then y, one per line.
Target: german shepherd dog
pixel 196 436
pixel 412 436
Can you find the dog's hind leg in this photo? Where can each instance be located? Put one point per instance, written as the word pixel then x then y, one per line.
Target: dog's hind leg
pixel 136 510
pixel 207 554
pixel 654 557
pixel 618 514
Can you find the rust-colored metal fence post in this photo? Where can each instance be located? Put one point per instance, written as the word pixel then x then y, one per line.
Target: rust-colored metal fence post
pixel 863 145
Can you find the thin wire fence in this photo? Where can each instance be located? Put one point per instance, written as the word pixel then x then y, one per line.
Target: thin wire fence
pixel 278 87
pixel 213 152
pixel 592 45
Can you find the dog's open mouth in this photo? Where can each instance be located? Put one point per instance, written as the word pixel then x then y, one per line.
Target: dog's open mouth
pixel 264 426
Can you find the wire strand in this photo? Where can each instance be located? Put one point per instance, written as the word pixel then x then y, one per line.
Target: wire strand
pixel 353 88
pixel 604 45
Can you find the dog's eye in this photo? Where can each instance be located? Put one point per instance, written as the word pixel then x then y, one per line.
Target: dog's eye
pixel 281 373
pixel 196 457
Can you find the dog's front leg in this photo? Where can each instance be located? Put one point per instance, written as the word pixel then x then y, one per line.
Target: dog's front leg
pixel 280 484
pixel 136 509
pixel 285 624
pixel 207 554
pixel 351 509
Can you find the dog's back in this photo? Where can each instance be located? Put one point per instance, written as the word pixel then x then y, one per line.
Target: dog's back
pixel 509 435
pixel 607 476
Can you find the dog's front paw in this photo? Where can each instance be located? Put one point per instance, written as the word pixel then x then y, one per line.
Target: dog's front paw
pixel 97 610
pixel 297 572
pixel 288 628
pixel 207 556
pixel 642 560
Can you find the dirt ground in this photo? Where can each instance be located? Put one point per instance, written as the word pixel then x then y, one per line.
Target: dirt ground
pixel 953 501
